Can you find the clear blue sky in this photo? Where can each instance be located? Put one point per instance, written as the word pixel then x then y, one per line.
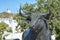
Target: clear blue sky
pixel 13 4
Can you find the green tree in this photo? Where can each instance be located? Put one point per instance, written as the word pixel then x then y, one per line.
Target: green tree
pixel 2 28
pixel 21 22
pixel 5 15
pixel 28 7
pixel 9 29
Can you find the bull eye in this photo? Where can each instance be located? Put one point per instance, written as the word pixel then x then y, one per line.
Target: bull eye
pixel 36 31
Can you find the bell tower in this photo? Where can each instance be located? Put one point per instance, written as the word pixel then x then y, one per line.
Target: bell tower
pixel 8 10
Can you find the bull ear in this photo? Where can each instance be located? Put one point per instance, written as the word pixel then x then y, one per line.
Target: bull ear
pixel 47 16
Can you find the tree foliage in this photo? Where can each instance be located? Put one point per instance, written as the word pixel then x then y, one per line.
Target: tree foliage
pixel 9 29
pixel 28 7
pixel 21 22
pixel 5 15
pixel 2 28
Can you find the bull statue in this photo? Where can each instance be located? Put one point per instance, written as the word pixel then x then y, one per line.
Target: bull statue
pixel 38 29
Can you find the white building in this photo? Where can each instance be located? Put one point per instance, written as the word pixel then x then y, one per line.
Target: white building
pixel 12 23
pixel 8 10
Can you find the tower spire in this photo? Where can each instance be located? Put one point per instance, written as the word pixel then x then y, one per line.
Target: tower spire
pixel 20 9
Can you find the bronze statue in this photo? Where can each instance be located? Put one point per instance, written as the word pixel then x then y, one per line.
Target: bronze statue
pixel 38 29
pixel 40 26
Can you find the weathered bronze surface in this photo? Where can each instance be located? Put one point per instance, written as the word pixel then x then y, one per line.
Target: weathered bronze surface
pixel 38 27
